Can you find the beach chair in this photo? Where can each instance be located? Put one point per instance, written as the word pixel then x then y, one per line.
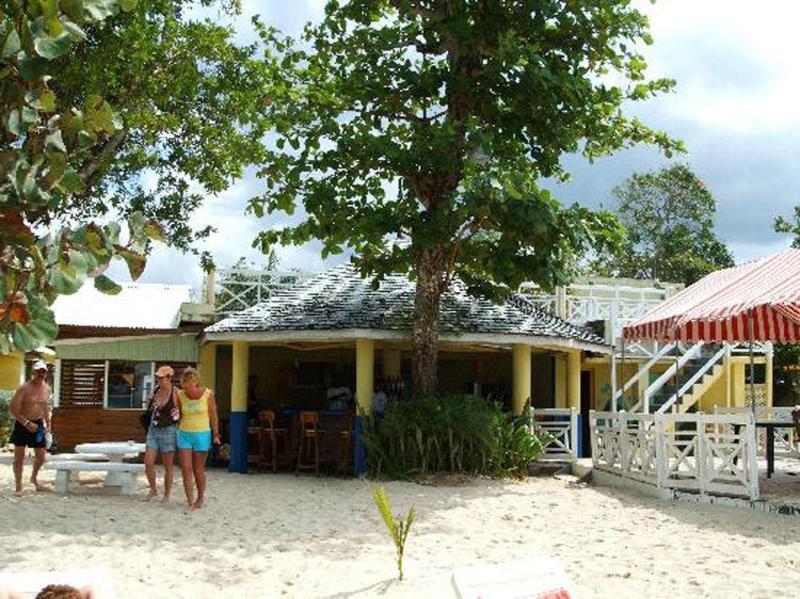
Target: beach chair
pixel 541 578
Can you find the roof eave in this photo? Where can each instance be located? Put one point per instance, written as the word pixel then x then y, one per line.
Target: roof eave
pixel 550 342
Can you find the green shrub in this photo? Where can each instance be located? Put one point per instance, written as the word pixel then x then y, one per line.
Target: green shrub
pixel 454 433
pixel 5 417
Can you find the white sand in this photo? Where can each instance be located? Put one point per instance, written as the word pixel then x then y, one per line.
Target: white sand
pixel 280 536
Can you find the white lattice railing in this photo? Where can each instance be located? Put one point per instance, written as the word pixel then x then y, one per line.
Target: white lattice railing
pixel 562 428
pixel 706 453
pixel 787 442
pixel 237 289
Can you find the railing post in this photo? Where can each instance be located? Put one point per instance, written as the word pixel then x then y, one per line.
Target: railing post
pixel 646 401
pixel 574 432
pixel 661 452
pixel 614 378
pixel 593 436
pixel 624 443
pixel 701 457
pixel 752 460
pixel 561 303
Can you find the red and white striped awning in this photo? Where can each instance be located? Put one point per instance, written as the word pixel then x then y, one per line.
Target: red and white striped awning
pixel 717 307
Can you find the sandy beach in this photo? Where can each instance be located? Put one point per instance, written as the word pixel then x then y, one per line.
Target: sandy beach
pixel 283 536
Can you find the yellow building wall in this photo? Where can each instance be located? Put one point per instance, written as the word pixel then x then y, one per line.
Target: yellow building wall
pixel 11 370
pixel 602 380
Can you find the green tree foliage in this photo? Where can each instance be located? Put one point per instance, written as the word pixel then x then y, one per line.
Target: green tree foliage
pixel 783 225
pixel 433 121
pixel 668 217
pixel 41 139
pixel 186 95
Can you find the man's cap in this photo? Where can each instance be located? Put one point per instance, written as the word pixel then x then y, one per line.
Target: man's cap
pixel 165 371
pixel 40 365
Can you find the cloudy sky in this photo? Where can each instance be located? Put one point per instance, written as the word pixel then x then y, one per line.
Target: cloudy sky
pixel 735 107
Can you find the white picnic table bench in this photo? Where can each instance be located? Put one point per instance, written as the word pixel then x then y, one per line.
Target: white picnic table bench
pixel 99 457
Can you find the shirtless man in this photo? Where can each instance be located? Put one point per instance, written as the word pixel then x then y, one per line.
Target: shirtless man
pixel 29 408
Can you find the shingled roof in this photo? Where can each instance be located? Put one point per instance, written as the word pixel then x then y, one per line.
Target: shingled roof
pixel 340 299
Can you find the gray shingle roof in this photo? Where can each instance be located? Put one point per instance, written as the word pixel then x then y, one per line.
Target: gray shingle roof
pixel 340 299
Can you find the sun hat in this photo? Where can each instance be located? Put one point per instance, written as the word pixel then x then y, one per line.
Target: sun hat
pixel 40 365
pixel 164 371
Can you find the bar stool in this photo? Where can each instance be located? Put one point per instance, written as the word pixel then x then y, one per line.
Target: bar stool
pixel 311 435
pixel 269 436
pixel 346 437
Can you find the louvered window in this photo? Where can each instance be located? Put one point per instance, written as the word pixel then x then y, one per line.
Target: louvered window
pixel 82 384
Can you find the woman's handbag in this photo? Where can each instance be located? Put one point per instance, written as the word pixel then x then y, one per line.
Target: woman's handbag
pixel 146 416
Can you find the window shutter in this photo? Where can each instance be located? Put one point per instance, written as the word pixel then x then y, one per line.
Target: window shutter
pixel 82 384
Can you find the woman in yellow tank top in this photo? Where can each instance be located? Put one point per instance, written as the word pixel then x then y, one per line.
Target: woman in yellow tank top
pixel 197 427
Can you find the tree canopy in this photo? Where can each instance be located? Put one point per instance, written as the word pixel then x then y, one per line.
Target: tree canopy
pixel 41 139
pixel 94 102
pixel 433 121
pixel 187 96
pixel 668 217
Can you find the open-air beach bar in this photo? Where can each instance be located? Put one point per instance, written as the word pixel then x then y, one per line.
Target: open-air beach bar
pixel 333 345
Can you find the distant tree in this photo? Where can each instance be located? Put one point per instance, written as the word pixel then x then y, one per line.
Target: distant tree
pixel 461 107
pixel 783 225
pixel 668 217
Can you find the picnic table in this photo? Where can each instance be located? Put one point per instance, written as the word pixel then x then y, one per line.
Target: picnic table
pixel 771 425
pixel 118 473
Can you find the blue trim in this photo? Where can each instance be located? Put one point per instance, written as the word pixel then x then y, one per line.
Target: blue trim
pixel 238 432
pixel 360 454
pixel 579 448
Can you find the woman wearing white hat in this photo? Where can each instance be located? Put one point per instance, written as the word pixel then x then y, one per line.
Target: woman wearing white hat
pixel 162 431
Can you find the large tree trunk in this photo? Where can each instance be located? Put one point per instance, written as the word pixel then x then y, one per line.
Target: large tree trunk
pixel 430 286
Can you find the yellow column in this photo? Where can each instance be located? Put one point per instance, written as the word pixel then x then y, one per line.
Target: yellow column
pixel 207 364
pixel 738 392
pixel 365 373
pixel 12 371
pixel 239 372
pixel 521 369
pixel 391 363
pixel 574 379
pixel 561 381
pixel 768 376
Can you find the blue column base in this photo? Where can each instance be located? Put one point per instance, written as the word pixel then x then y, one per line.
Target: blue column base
pixel 238 434
pixel 360 454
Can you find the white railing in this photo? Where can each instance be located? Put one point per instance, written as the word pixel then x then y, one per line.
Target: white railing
pixel 617 305
pixel 708 454
pixel 237 289
pixel 562 432
pixel 642 372
pixel 787 442
pixel 644 403
pixel 690 382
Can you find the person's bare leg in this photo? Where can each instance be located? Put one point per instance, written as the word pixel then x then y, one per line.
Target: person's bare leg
pixel 150 471
pixel 40 453
pixel 185 457
pixel 169 473
pixel 19 461
pixel 199 467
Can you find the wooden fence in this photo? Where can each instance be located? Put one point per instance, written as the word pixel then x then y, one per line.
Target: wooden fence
pixel 703 453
